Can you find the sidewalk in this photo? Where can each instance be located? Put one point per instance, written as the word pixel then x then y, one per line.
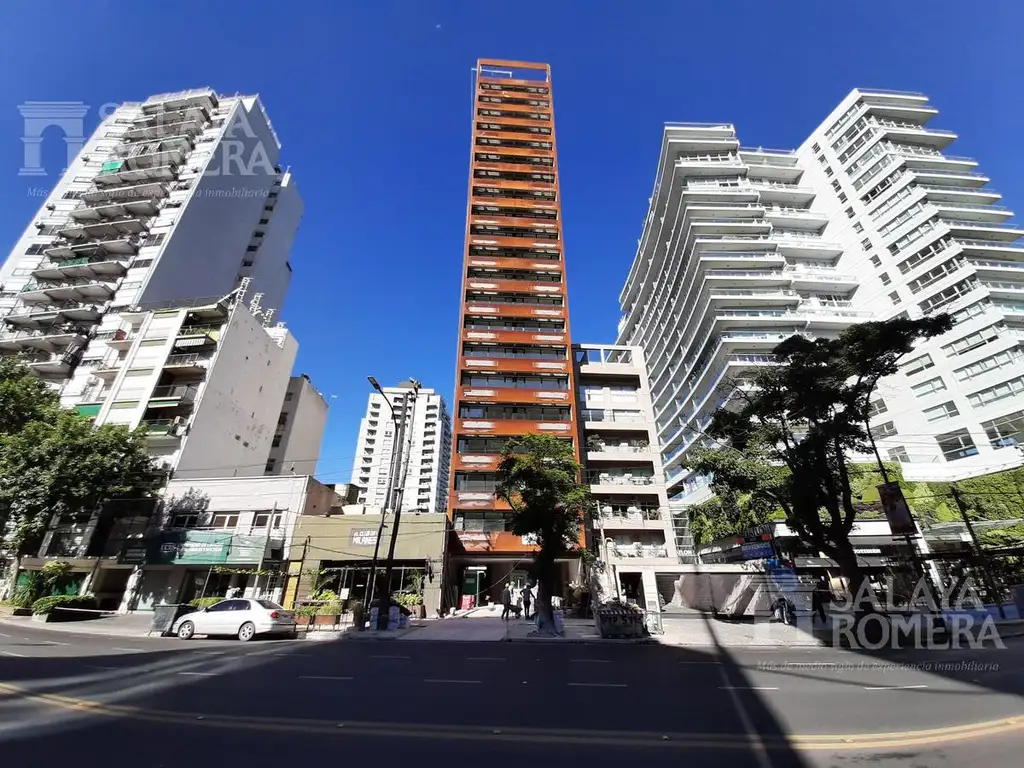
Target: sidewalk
pixel 119 625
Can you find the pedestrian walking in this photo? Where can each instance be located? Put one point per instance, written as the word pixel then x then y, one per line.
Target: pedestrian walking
pixel 527 601
pixel 506 601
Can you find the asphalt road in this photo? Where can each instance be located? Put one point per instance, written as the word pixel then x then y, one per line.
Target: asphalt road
pixel 153 702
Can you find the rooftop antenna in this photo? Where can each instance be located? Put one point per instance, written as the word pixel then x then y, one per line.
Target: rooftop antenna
pixel 243 288
pixel 267 315
pixel 254 305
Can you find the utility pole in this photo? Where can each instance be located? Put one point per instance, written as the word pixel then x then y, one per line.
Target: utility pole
pixel 408 412
pixel 392 473
pixel 979 553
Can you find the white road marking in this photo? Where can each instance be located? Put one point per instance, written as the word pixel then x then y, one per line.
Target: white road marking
pixel 128 650
pixel 200 674
pixel 598 685
pixel 746 688
pixel 701 663
pixel 468 682
pixel 323 677
pixel 590 661
pixel 93 666
pixel 12 653
pixel 892 687
pixel 209 653
pixel 3 635
pixel 51 642
pixel 388 656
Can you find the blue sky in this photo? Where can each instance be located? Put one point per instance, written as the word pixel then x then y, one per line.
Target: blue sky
pixel 371 101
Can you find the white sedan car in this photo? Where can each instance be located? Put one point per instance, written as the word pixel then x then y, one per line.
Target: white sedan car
pixel 242 618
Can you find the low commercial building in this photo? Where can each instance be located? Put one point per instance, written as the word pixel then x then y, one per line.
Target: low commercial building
pixel 215 535
pixel 334 549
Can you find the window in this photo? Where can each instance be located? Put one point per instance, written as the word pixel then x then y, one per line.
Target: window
pixel 866 244
pixel 842 199
pixel 829 172
pixel 1006 430
pixel 928 387
pixel 973 340
pixel 1001 391
pixel 282 419
pixel 849 213
pixel 822 160
pixel 156 239
pixel 815 147
pixel 918 364
pixel 947 295
pixel 257 234
pixel 251 248
pixel 185 521
pixel 228 605
pixel 991 363
pixel 971 310
pixel 271 465
pixel 883 430
pixel 899 453
pixel 858 227
pixel 248 263
pixel 956 445
pixel 37 248
pixel 836 186
pixel 262 519
pixel 288 396
pixel 877 407
pixel 941 412
pixel 894 297
pixel 264 221
pixel 276 442
pixel 876 261
pixel 226 520
pixel 884 277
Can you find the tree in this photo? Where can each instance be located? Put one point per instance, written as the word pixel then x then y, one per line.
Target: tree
pixel 23 397
pixel 787 441
pixel 539 477
pixel 65 466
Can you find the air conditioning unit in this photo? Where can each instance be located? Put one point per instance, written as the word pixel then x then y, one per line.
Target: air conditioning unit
pixel 51 206
pixel 179 421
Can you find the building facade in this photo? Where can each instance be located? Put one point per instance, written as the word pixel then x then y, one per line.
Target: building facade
pixel 426 449
pixel 295 448
pixel 173 198
pixel 514 374
pixel 205 381
pixel 635 532
pixel 743 247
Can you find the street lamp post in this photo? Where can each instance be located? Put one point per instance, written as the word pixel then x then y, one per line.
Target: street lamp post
pixel 392 472
pixel 408 410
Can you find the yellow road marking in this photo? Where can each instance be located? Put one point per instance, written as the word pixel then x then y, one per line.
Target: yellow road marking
pixel 802 742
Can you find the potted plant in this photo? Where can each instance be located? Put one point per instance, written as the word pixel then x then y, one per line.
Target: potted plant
pixel 595 443
pixel 304 615
pixel 327 614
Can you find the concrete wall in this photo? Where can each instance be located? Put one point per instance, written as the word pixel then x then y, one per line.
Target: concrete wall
pixel 305 412
pixel 236 415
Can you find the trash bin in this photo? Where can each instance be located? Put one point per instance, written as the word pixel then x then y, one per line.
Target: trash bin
pixel 164 617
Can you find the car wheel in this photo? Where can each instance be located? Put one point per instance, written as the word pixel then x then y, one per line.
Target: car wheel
pixel 186 630
pixel 247 631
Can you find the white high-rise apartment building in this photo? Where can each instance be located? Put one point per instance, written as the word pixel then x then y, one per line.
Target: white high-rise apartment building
pixel 868 219
pixel 171 199
pixel 427 443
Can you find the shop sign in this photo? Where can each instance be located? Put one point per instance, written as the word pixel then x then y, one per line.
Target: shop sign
pixel 364 537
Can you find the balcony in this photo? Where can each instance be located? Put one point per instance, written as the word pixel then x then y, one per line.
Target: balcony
pixel 48 340
pixel 983 230
pixel 188 363
pixel 1005 289
pixel 953 194
pixel 997 267
pixel 734 297
pixel 115 173
pixel 58 364
pixel 74 289
pixel 204 98
pixel 181 123
pixel 797 218
pixel 197 335
pixel 524 396
pixel 172 395
pixel 610 419
pixel 636 550
pixel 742 259
pixel 44 315
pixel 512 365
pixel 106 229
pixel 163 429
pixel 100 197
pixel 634 516
pixel 510 427
pixel 617 451
pixel 820 278
pixel 951 177
pixel 81 267
pixel 116 245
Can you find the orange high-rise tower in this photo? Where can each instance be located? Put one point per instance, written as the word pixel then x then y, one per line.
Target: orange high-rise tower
pixel 514 374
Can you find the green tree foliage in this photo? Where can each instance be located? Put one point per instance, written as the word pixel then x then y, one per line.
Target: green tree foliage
pixel 539 477
pixel 786 442
pixel 56 462
pixel 23 397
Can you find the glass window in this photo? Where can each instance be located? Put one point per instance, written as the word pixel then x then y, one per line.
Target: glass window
pixel 940 412
pixel 928 387
pixel 956 445
pixel 227 521
pixel 270 605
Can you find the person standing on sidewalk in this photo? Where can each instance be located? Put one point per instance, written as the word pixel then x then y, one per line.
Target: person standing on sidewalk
pixel 506 600
pixel 527 600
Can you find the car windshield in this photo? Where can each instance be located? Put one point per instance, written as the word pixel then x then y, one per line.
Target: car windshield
pixel 269 605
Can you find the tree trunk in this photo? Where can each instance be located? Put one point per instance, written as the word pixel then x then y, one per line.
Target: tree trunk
pixel 545 589
pixel 856 582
